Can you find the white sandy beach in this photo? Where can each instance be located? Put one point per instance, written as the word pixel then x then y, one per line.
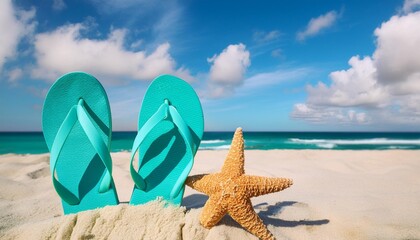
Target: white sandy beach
pixel 336 195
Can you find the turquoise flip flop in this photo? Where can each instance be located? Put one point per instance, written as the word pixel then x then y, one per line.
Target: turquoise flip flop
pixel 170 127
pixel 76 122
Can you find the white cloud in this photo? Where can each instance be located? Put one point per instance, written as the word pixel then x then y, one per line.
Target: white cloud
pixel 230 65
pixel 409 106
pixel 166 17
pixel 264 37
pixel 270 79
pixel 14 25
pixel 59 5
pixel 14 75
pixel 385 87
pixel 397 53
pixel 228 69
pixel 356 86
pixel 137 44
pixel 316 25
pixel 410 6
pixel 169 21
pixel 329 115
pixel 64 50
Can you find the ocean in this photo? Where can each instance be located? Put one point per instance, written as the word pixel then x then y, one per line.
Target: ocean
pixel 33 142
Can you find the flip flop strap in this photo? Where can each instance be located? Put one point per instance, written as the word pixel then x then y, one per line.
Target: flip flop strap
pixel 191 148
pixel 164 112
pixel 79 113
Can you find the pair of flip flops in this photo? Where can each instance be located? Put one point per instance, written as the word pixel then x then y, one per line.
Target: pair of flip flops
pixel 77 128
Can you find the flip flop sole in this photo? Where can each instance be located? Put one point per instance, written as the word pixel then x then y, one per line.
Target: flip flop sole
pixel 79 167
pixel 163 151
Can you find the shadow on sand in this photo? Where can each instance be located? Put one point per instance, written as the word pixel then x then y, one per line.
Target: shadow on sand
pixel 194 201
pixel 267 212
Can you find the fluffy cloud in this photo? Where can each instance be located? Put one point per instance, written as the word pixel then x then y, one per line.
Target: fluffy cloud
pixel 356 86
pixel 385 87
pixel 229 66
pixel 228 69
pixel 14 25
pixel 397 54
pixel 316 114
pixel 410 6
pixel 64 50
pixel 316 25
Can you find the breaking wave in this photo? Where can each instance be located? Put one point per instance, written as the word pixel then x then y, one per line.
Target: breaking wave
pixel 332 143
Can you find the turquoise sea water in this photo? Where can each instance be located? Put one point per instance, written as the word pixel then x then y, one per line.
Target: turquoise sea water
pixel 33 142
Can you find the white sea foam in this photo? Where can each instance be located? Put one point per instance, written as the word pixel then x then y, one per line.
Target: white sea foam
pixel 373 141
pixel 326 145
pixel 398 147
pixel 212 141
pixel 222 147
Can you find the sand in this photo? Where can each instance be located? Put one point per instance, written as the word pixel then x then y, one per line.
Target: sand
pixel 336 195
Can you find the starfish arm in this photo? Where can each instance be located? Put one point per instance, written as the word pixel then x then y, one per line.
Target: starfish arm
pixel 256 186
pixel 213 211
pixel 243 213
pixel 234 163
pixel 205 183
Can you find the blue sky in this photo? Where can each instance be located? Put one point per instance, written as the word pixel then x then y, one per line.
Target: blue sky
pixel 262 65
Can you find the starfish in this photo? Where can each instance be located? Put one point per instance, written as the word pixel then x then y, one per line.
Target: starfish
pixel 230 191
